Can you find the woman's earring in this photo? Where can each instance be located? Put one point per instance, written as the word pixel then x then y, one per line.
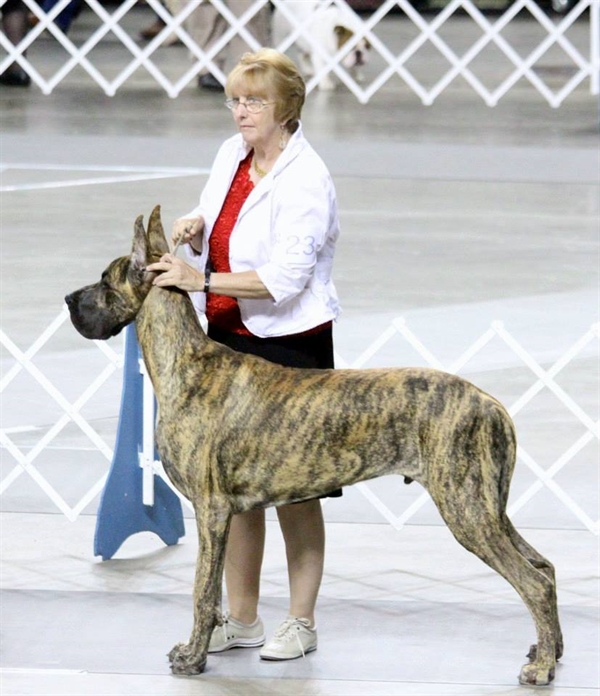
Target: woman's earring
pixel 283 137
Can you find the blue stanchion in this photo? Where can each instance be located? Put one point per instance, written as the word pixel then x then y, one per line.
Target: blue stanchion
pixel 122 511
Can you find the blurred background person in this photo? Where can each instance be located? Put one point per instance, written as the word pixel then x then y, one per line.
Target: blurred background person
pixel 206 26
pixel 15 27
pixel 64 19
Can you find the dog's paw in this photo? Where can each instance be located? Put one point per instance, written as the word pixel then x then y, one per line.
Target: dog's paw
pixel 185 661
pixel 536 675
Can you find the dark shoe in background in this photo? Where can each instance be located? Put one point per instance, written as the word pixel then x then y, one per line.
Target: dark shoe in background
pixel 15 77
pixel 151 31
pixel 210 82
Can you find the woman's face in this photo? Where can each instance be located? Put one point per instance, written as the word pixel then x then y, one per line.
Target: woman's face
pixel 258 129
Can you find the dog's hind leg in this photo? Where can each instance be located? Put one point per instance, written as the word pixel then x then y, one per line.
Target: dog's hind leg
pixel 480 527
pixel 213 528
pixel 543 564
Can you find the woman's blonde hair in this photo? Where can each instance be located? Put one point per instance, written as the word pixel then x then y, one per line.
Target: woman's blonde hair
pixel 269 74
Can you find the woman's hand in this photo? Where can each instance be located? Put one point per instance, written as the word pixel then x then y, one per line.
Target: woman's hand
pixel 176 273
pixel 189 230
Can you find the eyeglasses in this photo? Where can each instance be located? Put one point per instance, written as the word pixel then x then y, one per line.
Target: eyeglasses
pixel 252 104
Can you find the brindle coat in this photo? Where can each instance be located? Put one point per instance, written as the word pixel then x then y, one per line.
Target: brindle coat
pixel 236 432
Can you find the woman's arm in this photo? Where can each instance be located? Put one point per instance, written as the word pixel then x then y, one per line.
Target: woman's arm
pixel 174 272
pixel 245 285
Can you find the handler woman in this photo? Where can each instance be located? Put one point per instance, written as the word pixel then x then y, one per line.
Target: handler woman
pixel 260 248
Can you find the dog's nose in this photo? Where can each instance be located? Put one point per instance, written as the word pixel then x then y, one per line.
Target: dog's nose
pixel 69 299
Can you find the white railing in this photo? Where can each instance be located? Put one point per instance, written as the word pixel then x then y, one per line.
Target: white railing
pixel 389 57
pixel 584 432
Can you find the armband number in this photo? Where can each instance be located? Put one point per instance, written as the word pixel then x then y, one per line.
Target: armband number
pixel 301 245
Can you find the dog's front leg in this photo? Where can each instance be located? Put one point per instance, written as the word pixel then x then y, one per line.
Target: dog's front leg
pixel 213 527
pixel 328 81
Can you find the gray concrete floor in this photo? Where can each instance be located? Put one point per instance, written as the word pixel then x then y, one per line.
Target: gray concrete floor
pixel 453 216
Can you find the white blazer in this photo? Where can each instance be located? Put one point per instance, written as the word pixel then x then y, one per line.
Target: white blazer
pixel 286 231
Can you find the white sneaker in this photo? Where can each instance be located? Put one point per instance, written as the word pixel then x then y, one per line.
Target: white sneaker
pixel 294 638
pixel 235 634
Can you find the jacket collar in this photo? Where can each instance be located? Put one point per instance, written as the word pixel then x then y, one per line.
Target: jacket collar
pixel 294 147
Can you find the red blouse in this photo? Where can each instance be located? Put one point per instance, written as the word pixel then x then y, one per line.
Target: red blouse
pixel 223 311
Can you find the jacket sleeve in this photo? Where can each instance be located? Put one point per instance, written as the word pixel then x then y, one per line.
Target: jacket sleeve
pixel 302 220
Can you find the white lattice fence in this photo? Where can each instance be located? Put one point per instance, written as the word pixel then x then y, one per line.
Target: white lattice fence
pixel 545 379
pixel 391 58
pixel 586 432
pixel 71 414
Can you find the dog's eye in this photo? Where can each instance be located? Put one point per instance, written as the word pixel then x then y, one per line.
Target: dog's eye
pixel 105 283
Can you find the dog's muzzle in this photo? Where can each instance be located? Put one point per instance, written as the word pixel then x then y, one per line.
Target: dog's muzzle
pixel 91 321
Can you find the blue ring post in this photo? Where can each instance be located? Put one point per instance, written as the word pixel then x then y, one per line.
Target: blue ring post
pixel 122 512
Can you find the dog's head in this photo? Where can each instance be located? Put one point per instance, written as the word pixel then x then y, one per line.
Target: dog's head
pixel 359 55
pixel 103 309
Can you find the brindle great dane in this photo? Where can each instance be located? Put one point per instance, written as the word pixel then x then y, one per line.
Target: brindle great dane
pixel 236 432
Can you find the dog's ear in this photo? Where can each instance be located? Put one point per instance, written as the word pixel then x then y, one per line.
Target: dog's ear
pixel 157 243
pixel 139 250
pixel 343 34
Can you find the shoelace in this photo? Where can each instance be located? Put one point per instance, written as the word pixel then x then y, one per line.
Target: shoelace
pixel 289 628
pixel 224 626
